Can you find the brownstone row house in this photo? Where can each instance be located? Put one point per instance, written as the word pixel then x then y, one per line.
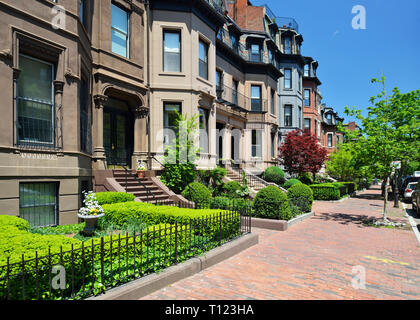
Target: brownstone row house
pixel 93 85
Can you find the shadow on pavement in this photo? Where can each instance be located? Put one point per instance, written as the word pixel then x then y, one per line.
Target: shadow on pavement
pixel 369 196
pixel 344 218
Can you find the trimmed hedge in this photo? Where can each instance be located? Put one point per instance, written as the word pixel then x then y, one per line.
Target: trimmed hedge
pixel 301 196
pixel 325 191
pixel 290 183
pixel 113 197
pixel 230 188
pixel 275 175
pixel 272 203
pixel 351 186
pixel 120 213
pixel 197 193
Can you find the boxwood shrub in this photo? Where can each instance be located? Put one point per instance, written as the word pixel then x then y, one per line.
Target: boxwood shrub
pixel 290 183
pixel 274 174
pixel 301 196
pixel 113 197
pixel 271 203
pixel 198 193
pixel 351 186
pixel 225 203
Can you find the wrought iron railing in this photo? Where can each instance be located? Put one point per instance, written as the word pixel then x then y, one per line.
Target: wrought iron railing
pixel 95 266
pixel 232 97
pixel 287 23
pixel 127 173
pixel 39 124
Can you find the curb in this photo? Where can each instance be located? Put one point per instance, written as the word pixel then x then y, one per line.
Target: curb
pixel 156 281
pixel 300 218
pixel 279 225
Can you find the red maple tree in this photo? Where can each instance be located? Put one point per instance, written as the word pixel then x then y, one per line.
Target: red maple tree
pixel 302 153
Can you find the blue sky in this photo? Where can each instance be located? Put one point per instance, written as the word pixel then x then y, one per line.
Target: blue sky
pixel 348 58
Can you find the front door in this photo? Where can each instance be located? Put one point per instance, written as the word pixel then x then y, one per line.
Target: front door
pixel 118 134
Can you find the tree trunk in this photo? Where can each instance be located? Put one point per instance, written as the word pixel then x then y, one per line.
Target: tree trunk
pixel 385 199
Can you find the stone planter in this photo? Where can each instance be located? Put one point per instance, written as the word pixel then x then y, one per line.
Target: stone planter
pixel 91 222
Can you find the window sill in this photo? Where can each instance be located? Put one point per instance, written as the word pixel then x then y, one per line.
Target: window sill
pixel 207 82
pixel 172 74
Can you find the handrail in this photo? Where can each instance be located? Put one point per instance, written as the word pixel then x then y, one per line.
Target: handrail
pixel 254 178
pixel 126 170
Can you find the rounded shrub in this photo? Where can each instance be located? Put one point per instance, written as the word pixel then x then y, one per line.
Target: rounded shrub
pixel 301 196
pixel 229 189
pixel 272 203
pixel 290 183
pixel 305 178
pixel 274 174
pixel 198 193
pixel 220 203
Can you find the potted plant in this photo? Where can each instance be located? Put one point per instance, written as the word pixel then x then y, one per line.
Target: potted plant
pixel 91 212
pixel 140 171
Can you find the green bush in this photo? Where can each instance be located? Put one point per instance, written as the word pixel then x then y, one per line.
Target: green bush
pixel 351 186
pixel 230 189
pixel 120 213
pixel 301 196
pixel 290 183
pixel 197 193
pixel 275 175
pixel 178 175
pixel 325 191
pixel 305 178
pixel 272 203
pixel 113 197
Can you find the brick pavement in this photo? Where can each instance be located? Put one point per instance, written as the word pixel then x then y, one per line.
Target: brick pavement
pixel 314 260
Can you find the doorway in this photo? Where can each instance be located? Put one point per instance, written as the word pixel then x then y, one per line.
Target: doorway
pixel 118 133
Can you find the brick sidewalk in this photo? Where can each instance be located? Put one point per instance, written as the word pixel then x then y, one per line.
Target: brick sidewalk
pixel 314 260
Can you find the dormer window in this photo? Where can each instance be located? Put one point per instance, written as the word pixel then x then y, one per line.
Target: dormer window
pixel 255 53
pixel 329 118
pixel 306 70
pixel 287 45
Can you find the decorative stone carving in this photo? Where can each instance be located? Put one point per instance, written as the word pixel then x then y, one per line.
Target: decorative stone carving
pixel 100 100
pixel 58 86
pixel 141 112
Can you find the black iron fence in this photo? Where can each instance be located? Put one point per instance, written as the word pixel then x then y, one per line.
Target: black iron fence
pixel 103 263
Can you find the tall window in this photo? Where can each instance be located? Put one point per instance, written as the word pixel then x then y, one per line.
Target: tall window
pixel 287 45
pixel 119 31
pixel 203 53
pixel 308 126
pixel 256 98
pixel 235 42
pixel 38 203
pixel 255 52
pixel 300 117
pixel 316 128
pixel 330 140
pixel 288 78
pixel 82 11
pixel 307 97
pixel 256 144
pixel 204 130
pixel 171 51
pixel 288 115
pixel 235 86
pixel 273 145
pixel 35 102
pixel 329 118
pixel 170 116
pixel 300 82
pixel 306 70
pixel 85 127
pixel 273 102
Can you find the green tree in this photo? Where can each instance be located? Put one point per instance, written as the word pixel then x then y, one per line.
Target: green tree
pixel 390 132
pixel 181 154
